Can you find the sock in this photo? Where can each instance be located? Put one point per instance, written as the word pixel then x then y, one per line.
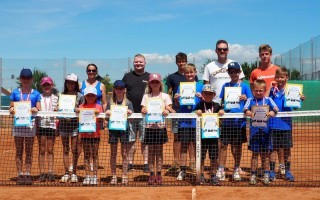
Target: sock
pixel 253 172
pixel 221 168
pixel 20 173
pixel 151 173
pixel 159 173
pixel 145 162
pixel 272 166
pixel 266 171
pixel 287 165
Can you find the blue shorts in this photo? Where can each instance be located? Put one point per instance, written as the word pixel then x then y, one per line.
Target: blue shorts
pixel 282 139
pixel 260 142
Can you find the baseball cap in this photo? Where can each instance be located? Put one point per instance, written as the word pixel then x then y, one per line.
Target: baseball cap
pixel 45 80
pixel 90 90
pixel 234 65
pixel 26 73
pixel 155 76
pixel 208 88
pixel 119 83
pixel 72 77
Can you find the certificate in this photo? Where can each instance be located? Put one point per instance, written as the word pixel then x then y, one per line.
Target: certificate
pixel 87 120
pixel 187 93
pixel 155 107
pixel 210 126
pixel 260 116
pixel 118 118
pixel 67 103
pixel 22 115
pixel 293 95
pixel 232 97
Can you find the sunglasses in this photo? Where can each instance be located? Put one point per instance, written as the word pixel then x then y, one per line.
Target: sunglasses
pixel 91 70
pixel 233 72
pixel 224 49
pixel 119 88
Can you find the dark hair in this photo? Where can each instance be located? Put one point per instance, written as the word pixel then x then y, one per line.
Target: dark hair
pixel 65 89
pixel 91 64
pixel 282 70
pixel 221 41
pixel 181 56
pixel 265 47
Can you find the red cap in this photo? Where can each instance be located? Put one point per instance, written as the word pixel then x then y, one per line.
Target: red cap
pixel 45 80
pixel 155 76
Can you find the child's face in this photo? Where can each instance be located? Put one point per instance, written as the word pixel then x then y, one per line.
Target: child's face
pixel 234 74
pixel 26 81
pixel 208 96
pixel 155 85
pixel 119 91
pixel 259 91
pixel 281 80
pixel 190 75
pixel 181 64
pixel 90 98
pixel 47 88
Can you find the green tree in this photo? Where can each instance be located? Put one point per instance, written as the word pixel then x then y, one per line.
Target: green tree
pixel 201 71
pixel 294 74
pixel 106 81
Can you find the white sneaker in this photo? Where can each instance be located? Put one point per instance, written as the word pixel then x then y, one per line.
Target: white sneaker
pixel 114 180
pixel 236 175
pixel 74 178
pixel 86 181
pixel 65 178
pixel 94 180
pixel 71 168
pixel 181 175
pixel 125 180
pixel 253 180
pixel 266 179
pixel 221 175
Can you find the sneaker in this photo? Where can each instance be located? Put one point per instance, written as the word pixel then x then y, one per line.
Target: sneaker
pixel 65 178
pixel 282 169
pixel 202 179
pixel 145 168
pixel 289 177
pixel 27 180
pixel 125 180
pixel 51 177
pixel 236 175
pixel 42 178
pixel 266 179
pixel 214 180
pixel 158 179
pixel 272 176
pixel 181 175
pixel 86 181
pixel 114 180
pixel 94 180
pixel 152 179
pixel 74 178
pixel 130 167
pixel 253 180
pixel 20 180
pixel 221 175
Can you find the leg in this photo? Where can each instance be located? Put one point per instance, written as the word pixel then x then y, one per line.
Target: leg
pixel 95 157
pixel 236 151
pixel 192 154
pixel 42 143
pixel 29 152
pixel 151 157
pixel 144 152
pixel 113 158
pixel 50 153
pixel 176 149
pixel 66 150
pixel 86 156
pixel 76 149
pixel 222 156
pixel 19 143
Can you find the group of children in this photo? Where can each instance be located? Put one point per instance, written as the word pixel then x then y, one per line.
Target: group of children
pixel 275 137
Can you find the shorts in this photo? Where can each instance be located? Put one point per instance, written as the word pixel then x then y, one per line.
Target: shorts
pixel 25 131
pixel 137 125
pixel 233 136
pixel 90 140
pixel 186 135
pixel 210 145
pixel 69 134
pixel 155 136
pixel 68 127
pixel 46 132
pixel 174 125
pixel 260 142
pixel 281 139
pixel 124 137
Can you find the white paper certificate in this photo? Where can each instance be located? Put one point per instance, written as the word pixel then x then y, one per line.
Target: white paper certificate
pixel 22 115
pixel 87 120
pixel 118 118
pixel 67 103
pixel 155 107
pixel 210 125
pixel 187 93
pixel 293 95
pixel 232 97
pixel 260 117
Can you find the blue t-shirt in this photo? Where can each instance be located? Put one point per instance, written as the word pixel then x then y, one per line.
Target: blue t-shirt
pixel 189 123
pixel 259 102
pixel 99 91
pixel 280 123
pixel 34 96
pixel 236 122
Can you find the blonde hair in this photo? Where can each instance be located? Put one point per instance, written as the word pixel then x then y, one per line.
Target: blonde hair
pixel 260 83
pixel 149 89
pixel 190 67
pixel 114 98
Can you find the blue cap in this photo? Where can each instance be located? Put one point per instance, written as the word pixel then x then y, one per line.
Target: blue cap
pixel 119 83
pixel 234 65
pixel 26 73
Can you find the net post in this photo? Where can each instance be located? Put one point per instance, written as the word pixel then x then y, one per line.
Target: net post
pixel 198 149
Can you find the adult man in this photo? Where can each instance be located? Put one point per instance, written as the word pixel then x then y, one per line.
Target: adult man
pixel 136 82
pixel 266 70
pixel 215 72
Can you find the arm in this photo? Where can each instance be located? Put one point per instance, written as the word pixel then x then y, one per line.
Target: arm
pixel 104 96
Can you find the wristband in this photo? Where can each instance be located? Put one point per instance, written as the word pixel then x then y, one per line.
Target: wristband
pixel 275 111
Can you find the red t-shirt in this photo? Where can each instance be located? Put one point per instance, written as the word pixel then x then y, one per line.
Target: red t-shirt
pixel 97 133
pixel 265 74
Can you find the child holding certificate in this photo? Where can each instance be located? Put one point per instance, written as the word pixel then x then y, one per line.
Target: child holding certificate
pixel 259 108
pixel 281 128
pixel 24 134
pixel 234 95
pixel 155 104
pixel 189 90
pixel 69 100
pixel 90 140
pixel 47 130
pixel 127 137
pixel 209 144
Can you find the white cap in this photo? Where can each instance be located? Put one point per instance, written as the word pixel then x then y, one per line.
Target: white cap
pixel 72 77
pixel 90 90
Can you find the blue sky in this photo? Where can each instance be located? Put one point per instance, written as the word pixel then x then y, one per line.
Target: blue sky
pixel 104 29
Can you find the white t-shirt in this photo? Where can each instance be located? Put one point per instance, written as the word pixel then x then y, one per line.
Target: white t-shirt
pixel 216 73
pixel 48 103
